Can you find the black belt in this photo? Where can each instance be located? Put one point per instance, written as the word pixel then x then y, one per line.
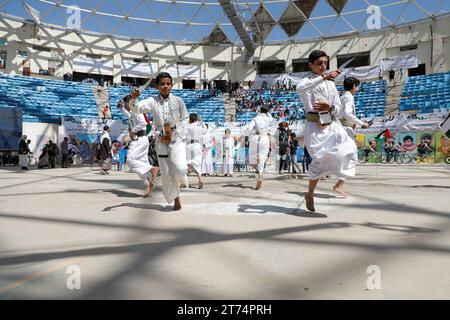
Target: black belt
pixel 163 156
pixel 141 133
pixel 194 141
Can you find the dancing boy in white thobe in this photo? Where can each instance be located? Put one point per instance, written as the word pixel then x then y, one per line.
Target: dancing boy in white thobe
pixel 331 149
pixel 258 130
pixel 228 154
pixel 194 154
pixel 207 161
pixel 171 117
pixel 348 119
pixel 137 157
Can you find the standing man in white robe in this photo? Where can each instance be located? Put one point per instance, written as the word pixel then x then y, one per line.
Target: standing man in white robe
pixel 348 119
pixel 207 161
pixel 137 156
pixel 331 149
pixel 258 130
pixel 228 154
pixel 171 118
pixel 194 153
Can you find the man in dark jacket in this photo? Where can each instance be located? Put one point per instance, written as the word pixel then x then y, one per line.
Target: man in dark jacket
pixel 64 152
pixel 53 152
pixel 24 149
pixel 105 152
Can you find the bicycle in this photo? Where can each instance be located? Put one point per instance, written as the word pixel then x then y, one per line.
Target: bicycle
pixel 75 160
pixel 371 156
pixel 425 158
pixel 32 161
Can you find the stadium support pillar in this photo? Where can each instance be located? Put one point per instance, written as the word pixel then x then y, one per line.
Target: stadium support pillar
pixel 68 62
pixel 11 61
pixel 117 69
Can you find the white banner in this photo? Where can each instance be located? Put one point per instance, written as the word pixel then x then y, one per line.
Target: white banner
pixel 91 129
pixel 406 122
pixel 272 79
pixel 139 69
pixel 239 129
pixel 85 64
pixel 397 63
pixel 181 71
pixel 360 74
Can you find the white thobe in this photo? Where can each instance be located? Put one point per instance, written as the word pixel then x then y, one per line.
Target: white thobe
pixel 348 112
pixel 137 156
pixel 331 149
pixel 207 163
pixel 171 157
pixel 259 141
pixel 194 133
pixel 228 155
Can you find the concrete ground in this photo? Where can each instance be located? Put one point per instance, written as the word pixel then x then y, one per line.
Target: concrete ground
pixel 63 227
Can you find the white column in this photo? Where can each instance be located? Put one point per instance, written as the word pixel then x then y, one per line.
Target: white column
pixel 117 68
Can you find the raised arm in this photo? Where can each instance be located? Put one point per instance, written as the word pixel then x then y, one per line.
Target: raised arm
pixel 124 111
pixel 307 84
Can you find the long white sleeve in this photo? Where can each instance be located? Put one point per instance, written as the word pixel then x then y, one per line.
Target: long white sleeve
pixel 307 84
pixel 144 106
pixel 337 101
pixel 348 105
pixel 125 112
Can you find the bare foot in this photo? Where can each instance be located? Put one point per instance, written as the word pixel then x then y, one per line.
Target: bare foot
pixel 154 172
pixel 177 205
pixel 148 190
pixel 258 185
pixel 340 191
pixel 309 200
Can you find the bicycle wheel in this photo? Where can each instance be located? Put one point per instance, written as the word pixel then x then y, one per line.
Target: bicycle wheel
pixel 32 161
pixel 447 160
pixel 404 158
pixel 362 156
pixel 429 159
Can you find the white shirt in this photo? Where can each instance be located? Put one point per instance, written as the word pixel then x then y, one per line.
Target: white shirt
pixel 313 88
pixel 170 110
pixel 260 123
pixel 136 122
pixel 194 132
pixel 348 109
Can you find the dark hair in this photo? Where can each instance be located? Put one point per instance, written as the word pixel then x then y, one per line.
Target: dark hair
pixel 317 54
pixel 350 83
pixel 264 109
pixel 106 128
pixel 115 141
pixel 426 136
pixel 163 75
pixel 193 117
pixel 408 138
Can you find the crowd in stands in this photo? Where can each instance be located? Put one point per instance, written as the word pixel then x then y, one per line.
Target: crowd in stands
pixel 285 103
